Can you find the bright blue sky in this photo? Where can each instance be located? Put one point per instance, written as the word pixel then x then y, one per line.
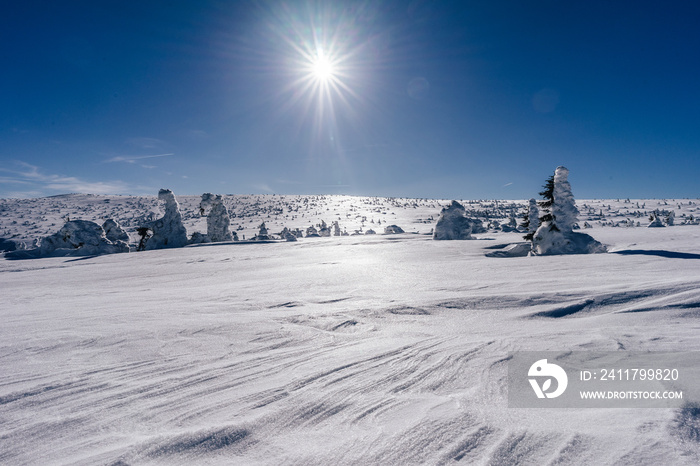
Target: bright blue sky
pixel 463 99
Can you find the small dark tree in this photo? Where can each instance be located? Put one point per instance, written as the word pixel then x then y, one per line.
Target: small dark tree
pixel 143 233
pixel 546 203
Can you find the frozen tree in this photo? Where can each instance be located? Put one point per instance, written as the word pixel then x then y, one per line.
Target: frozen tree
pixel 324 230
pixel 564 211
pixel 670 218
pixel 263 234
pixel 532 220
pixel 218 221
pixel 555 234
pixel 168 231
pixel 453 224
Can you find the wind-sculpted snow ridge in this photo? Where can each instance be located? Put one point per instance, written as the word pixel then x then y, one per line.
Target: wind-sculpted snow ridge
pixel 359 350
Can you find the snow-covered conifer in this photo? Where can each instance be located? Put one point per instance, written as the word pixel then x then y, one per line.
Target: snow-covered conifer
pixel 532 220
pixel 555 234
pixel 564 211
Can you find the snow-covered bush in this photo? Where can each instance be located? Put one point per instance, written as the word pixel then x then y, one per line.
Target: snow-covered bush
pixel 671 218
pixel 655 221
pixel 393 230
pixel 114 232
pixel 199 238
pixel 288 235
pixel 555 234
pixel 324 231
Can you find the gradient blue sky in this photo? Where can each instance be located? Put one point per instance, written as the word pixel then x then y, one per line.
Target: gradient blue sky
pixel 463 99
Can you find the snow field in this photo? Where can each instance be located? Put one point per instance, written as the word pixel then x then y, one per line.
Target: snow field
pixel 349 350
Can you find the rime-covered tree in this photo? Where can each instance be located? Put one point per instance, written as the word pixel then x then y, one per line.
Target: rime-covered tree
pixel 168 231
pixel 564 211
pixel 218 221
pixel 531 220
pixel 555 234
pixel 453 223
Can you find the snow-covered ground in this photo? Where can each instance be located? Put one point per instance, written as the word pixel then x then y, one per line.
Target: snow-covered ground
pixel 381 349
pixel 30 219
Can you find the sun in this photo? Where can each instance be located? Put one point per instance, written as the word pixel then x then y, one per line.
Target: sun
pixel 322 68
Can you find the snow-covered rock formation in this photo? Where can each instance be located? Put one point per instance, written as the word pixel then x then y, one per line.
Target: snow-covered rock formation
pixel 556 235
pixel 168 231
pixel 453 224
pixel 75 238
pixel 218 221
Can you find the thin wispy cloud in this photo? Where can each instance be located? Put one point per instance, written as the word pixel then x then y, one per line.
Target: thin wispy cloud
pixel 38 182
pixel 135 158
